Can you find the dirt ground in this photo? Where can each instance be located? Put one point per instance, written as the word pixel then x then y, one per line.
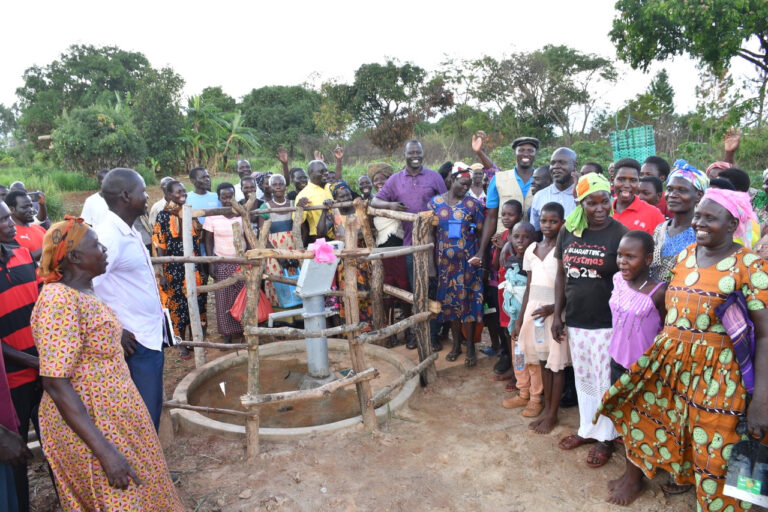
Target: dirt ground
pixel 452 448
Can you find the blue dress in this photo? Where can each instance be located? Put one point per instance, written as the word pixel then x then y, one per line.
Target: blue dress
pixel 459 285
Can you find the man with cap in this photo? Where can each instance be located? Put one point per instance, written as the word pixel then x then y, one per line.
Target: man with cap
pixel 513 184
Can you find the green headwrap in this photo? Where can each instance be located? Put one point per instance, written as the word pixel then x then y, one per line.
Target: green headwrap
pixel 590 183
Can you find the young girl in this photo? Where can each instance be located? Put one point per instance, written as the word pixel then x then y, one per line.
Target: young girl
pixel 637 306
pixel 533 329
pixel 459 285
pixel 511 213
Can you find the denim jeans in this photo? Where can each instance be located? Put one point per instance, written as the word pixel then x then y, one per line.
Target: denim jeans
pixel 146 367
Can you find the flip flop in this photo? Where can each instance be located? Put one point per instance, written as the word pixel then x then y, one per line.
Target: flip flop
pixel 470 361
pixel 453 355
pixel 573 441
pixel 671 488
pixel 601 454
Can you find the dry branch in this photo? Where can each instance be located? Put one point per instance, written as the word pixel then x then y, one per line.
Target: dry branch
pixel 280 332
pixel 410 249
pixel 233 279
pixel 396 328
pixel 305 394
pixel 405 296
pixel 200 408
pixel 208 344
pixel 392 214
pixel 416 370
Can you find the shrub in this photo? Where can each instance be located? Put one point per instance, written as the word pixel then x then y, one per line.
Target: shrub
pixel 97 137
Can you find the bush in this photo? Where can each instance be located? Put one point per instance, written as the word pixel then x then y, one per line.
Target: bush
pixel 97 137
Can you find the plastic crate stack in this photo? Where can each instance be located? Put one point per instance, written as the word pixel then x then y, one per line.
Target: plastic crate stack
pixel 637 143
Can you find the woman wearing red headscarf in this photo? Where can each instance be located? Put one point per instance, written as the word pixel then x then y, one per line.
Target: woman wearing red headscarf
pixel 96 431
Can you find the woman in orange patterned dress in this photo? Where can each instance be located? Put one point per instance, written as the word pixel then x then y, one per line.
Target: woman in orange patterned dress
pixel 678 406
pixel 96 431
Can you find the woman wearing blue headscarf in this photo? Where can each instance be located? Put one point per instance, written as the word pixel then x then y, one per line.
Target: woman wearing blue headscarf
pixel 685 186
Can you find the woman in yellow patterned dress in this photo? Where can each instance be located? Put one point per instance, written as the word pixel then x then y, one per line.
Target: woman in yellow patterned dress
pixel 679 405
pixel 96 431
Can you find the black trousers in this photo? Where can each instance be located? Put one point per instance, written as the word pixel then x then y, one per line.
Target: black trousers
pixel 26 401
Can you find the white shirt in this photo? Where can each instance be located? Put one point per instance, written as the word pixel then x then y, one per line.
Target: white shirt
pixel 239 196
pixel 156 208
pixel 94 209
pixel 128 286
pixel 551 194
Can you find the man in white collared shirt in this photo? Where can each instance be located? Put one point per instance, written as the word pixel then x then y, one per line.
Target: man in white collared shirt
pixel 94 207
pixel 129 287
pixel 562 166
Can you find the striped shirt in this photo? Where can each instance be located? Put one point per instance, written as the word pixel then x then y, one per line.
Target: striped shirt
pixel 19 288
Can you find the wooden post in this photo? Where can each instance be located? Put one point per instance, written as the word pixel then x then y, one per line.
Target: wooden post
pixel 352 316
pixel 298 220
pixel 191 282
pixel 376 267
pixel 421 229
pixel 250 319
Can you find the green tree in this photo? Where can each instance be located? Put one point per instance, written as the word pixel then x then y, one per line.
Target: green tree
pixel 211 137
pixel 713 31
pixel 156 112
pixel 96 137
pixel 388 100
pixel 281 115
pixel 83 76
pixel 217 97
pixel 547 89
pixel 7 121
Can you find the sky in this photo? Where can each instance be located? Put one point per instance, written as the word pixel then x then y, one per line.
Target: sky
pixel 241 45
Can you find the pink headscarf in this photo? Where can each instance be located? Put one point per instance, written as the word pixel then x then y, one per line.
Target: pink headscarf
pixel 718 165
pixel 737 203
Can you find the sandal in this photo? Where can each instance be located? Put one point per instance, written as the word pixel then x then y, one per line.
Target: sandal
pixel 671 488
pixel 453 355
pixel 599 455
pixel 511 386
pixel 573 441
pixel 470 360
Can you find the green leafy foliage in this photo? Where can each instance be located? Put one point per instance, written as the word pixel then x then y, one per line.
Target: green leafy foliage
pixel 83 76
pixel 713 31
pixel 281 115
pixel 97 137
pixel 156 112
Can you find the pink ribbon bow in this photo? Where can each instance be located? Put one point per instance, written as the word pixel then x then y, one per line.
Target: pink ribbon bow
pixel 323 251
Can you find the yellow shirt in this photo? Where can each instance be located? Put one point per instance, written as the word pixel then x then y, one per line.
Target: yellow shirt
pixel 316 196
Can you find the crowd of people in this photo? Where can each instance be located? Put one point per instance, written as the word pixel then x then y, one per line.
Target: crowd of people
pixel 604 288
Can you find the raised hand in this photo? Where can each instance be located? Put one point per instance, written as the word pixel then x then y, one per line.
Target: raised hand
pixel 282 155
pixel 477 141
pixel 732 139
pixel 319 156
pixel 338 152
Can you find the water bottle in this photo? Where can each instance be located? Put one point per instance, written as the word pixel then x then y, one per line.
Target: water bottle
pixel 539 332
pixel 519 358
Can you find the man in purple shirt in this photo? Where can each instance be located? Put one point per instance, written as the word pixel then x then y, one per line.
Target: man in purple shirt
pixel 410 189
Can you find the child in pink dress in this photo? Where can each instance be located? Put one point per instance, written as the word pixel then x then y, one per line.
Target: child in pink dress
pixel 637 307
pixel 544 357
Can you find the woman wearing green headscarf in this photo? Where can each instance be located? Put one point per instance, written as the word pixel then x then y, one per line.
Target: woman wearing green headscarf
pixel 586 248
